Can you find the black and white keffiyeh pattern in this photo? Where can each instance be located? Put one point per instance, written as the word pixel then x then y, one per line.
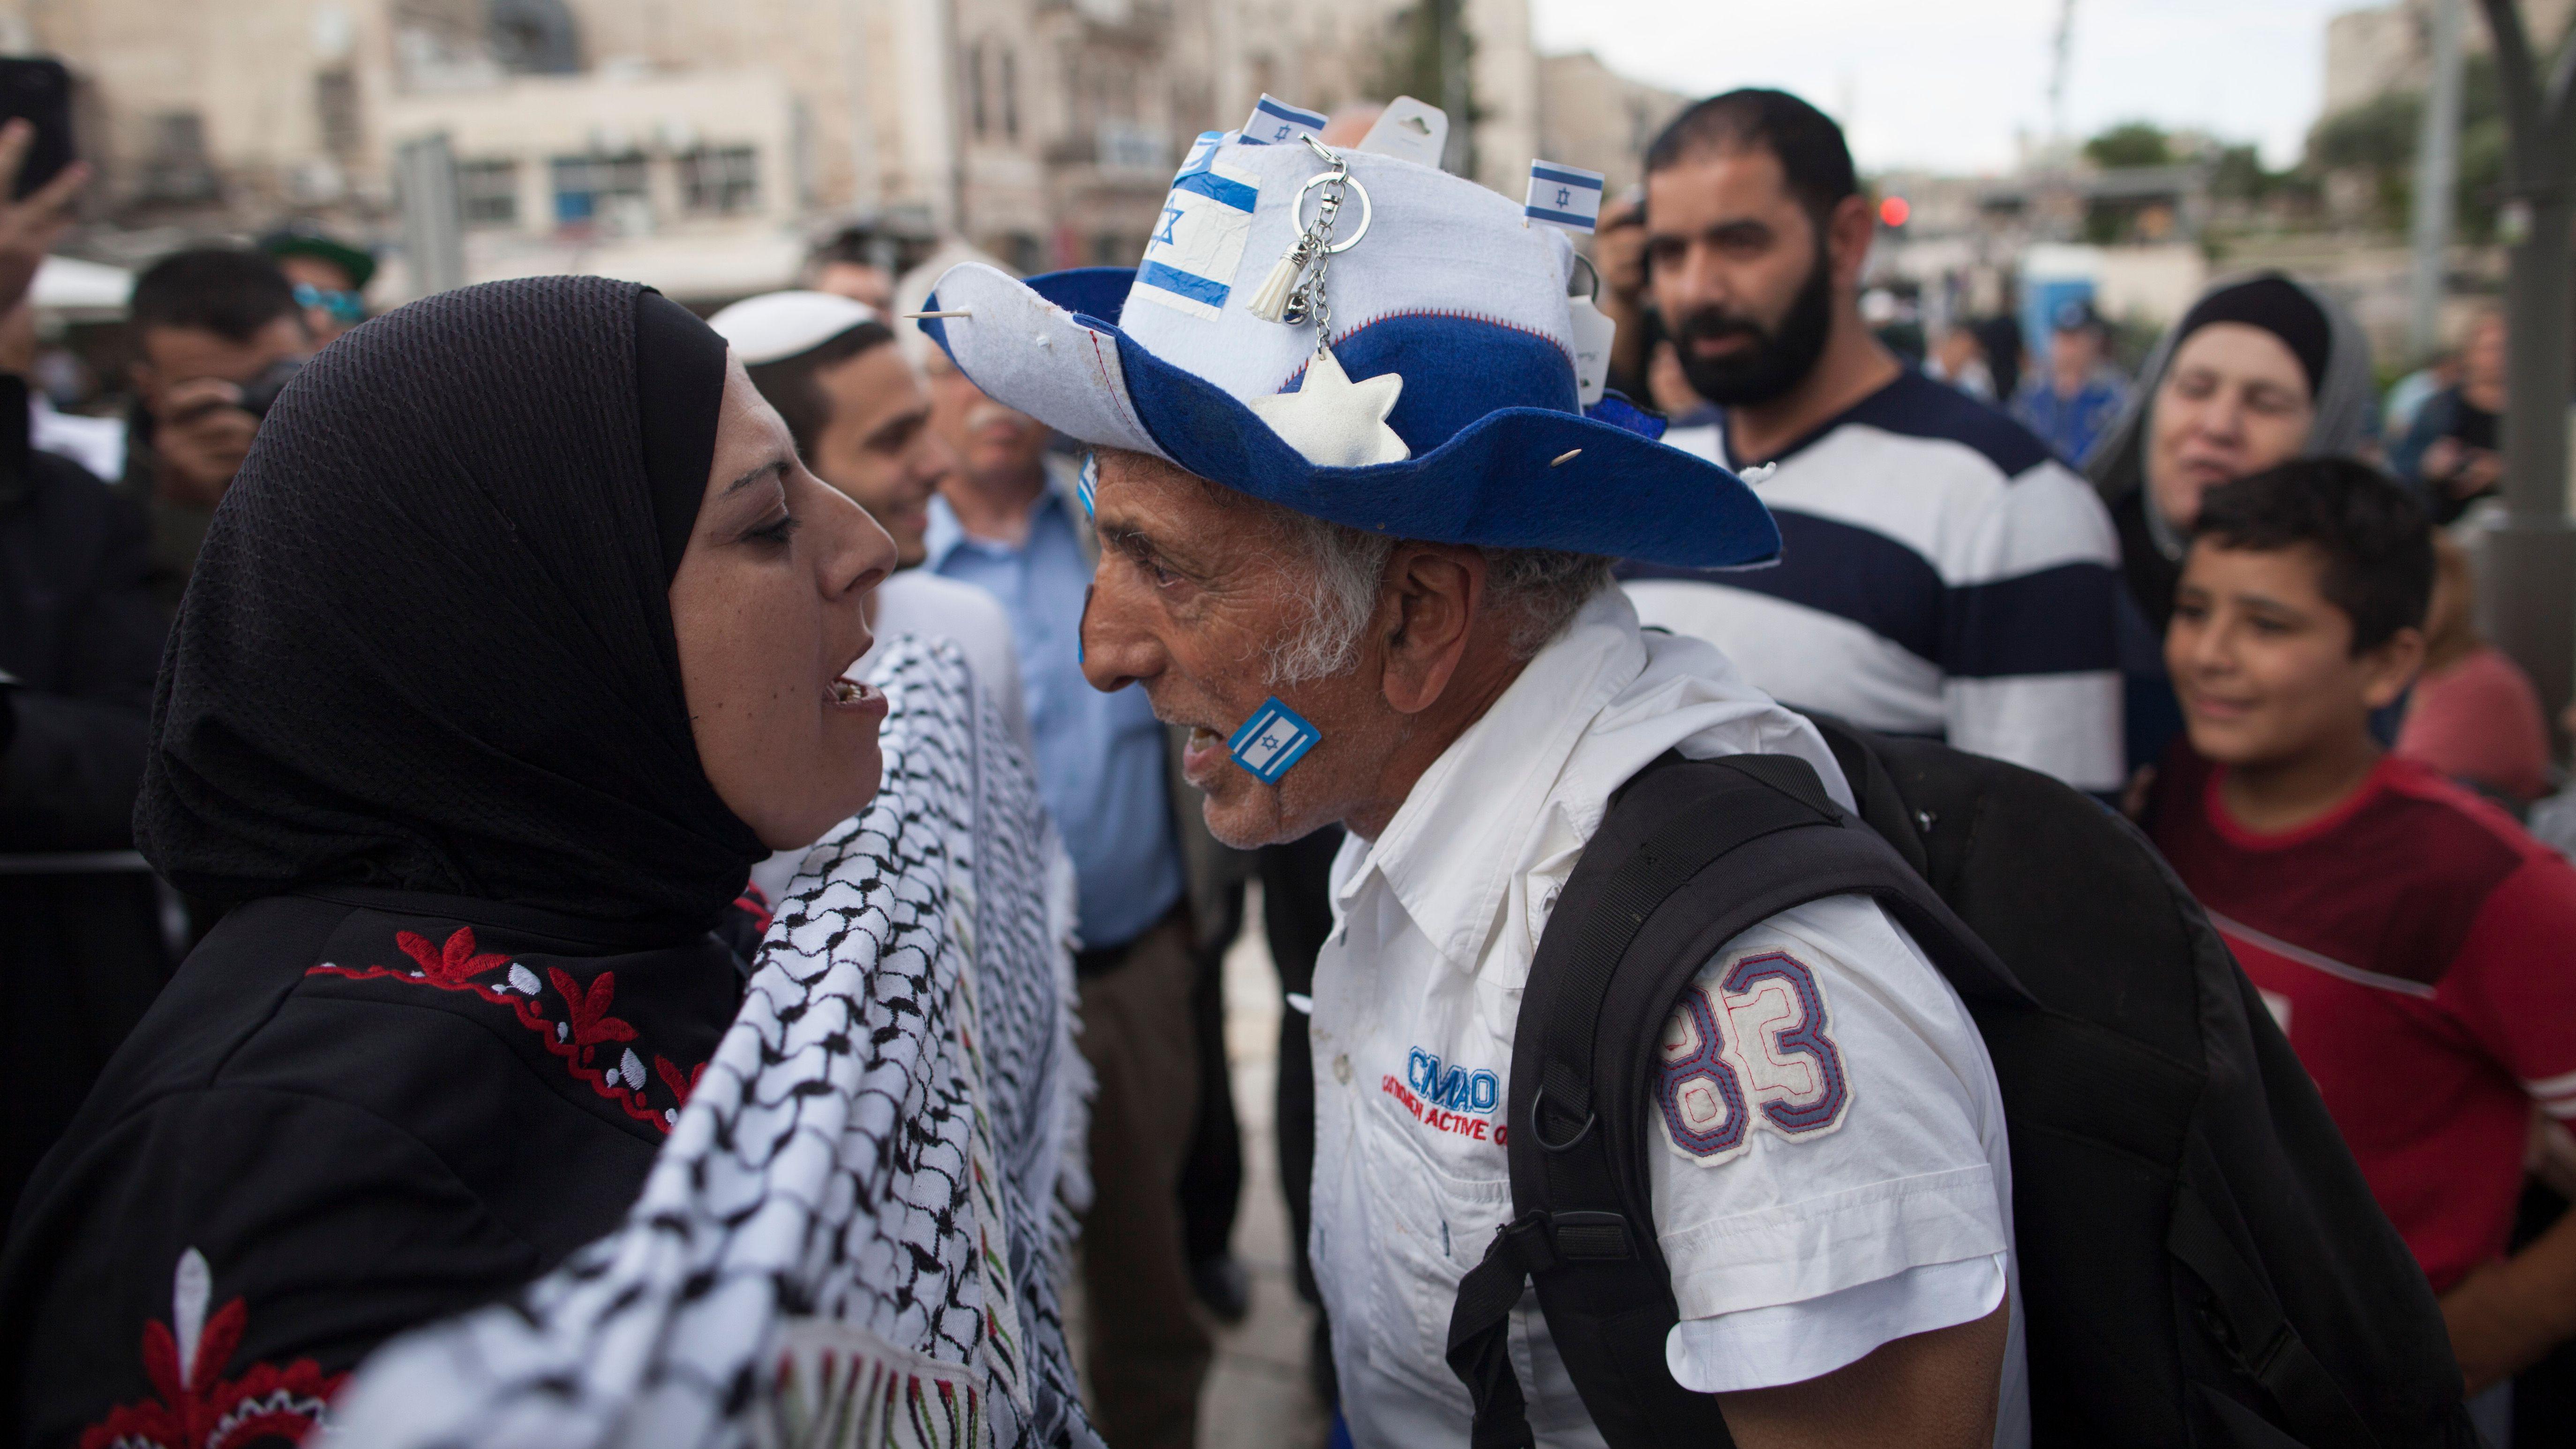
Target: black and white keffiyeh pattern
pixel 854 1234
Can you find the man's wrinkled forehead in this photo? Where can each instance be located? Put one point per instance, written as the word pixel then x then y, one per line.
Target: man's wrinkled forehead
pixel 1142 497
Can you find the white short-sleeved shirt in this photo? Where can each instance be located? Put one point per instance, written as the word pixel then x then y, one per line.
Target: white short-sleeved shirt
pixel 1853 1187
pixel 917 601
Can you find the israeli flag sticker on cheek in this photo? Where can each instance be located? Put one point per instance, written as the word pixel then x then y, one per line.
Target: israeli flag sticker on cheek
pixel 1272 740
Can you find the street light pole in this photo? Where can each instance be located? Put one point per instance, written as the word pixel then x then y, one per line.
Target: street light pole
pixel 2531 554
pixel 432 230
pixel 1456 94
pixel 2437 163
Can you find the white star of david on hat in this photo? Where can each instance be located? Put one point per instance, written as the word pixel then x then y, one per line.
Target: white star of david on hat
pixel 1334 422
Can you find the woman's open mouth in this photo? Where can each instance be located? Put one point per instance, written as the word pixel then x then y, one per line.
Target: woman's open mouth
pixel 856 697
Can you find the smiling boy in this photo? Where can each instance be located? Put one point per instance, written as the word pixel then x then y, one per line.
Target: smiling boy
pixel 2417 948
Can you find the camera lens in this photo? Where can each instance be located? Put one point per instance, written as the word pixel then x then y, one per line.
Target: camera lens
pixel 260 393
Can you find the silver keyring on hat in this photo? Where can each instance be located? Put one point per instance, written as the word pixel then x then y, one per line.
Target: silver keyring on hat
pixel 1596 277
pixel 1367 209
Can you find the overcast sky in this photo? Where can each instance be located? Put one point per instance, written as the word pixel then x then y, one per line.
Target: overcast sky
pixel 1947 84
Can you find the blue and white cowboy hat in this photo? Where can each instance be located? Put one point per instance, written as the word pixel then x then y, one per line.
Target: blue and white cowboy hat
pixel 1483 440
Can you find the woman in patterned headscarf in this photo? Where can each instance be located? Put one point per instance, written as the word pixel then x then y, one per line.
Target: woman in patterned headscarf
pixel 520 637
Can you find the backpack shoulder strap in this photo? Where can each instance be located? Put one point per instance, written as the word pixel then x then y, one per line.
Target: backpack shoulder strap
pixel 1661 887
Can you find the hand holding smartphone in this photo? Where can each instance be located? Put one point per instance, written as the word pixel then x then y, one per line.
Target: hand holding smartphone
pixel 37 169
pixel 37 90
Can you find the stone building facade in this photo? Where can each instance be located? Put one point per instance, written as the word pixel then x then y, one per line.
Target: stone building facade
pixel 700 144
pixel 1593 117
pixel 2370 53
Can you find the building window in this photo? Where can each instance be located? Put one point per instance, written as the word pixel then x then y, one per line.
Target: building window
pixel 530 37
pixel 335 104
pixel 721 180
pixel 487 192
pixel 176 168
pixel 1127 146
pixel 588 188
pixel 975 86
pixel 1011 94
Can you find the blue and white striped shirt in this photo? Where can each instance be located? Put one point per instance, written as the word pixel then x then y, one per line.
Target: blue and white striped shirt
pixel 1940 575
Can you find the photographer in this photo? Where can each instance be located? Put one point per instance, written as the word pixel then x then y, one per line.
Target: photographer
pixel 217 332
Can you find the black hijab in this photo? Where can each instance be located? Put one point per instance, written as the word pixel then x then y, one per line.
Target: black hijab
pixel 428 645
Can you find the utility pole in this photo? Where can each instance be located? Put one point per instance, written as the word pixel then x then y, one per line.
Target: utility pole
pixel 2437 169
pixel 1456 96
pixel 2061 52
pixel 2531 554
pixel 867 169
pixel 432 231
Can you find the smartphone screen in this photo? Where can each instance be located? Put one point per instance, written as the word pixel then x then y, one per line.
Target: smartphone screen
pixel 39 90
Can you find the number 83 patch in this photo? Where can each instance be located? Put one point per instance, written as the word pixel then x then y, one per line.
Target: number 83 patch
pixel 1752 1048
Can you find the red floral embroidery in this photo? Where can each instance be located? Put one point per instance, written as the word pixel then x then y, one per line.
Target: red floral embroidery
pixel 454 965
pixel 588 1010
pixel 681 1087
pixel 197 1408
pixel 585 1027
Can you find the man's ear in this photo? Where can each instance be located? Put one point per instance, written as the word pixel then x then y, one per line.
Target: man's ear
pixel 2388 669
pixel 1434 591
pixel 145 377
pixel 1848 232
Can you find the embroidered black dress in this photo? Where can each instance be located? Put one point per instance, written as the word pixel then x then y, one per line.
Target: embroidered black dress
pixel 422 725
pixel 359 1110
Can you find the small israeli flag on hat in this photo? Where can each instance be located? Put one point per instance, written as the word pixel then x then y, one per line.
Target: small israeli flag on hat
pixel 1276 123
pixel 1197 246
pixel 1566 196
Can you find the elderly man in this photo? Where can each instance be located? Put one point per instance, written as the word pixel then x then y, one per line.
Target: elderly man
pixel 1355 532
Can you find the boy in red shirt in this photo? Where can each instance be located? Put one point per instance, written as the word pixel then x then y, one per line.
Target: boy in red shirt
pixel 2416 946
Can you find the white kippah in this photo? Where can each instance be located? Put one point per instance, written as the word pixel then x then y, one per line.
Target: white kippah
pixel 775 326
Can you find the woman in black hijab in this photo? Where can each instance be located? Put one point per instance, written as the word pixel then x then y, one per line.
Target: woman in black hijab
pixel 2261 370
pixel 518 640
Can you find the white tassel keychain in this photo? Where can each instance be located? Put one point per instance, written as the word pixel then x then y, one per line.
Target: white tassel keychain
pixel 1282 296
pixel 1270 301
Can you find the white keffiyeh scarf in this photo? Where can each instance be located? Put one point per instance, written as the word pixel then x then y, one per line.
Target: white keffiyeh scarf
pixel 854 1234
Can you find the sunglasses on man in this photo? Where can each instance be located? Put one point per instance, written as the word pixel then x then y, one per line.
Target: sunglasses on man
pixel 348 307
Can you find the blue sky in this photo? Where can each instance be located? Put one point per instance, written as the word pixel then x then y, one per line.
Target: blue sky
pixel 1947 84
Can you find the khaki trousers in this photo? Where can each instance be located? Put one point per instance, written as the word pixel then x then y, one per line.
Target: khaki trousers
pixel 1149 1354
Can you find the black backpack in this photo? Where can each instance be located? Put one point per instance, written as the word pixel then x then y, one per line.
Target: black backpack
pixel 2201 1262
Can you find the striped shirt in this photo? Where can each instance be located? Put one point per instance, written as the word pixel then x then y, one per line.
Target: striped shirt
pixel 1941 575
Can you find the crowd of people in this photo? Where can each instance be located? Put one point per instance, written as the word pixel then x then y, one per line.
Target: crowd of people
pixel 419 731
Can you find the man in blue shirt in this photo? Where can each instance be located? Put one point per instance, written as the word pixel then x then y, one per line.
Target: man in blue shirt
pixel 2074 400
pixel 1007 520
